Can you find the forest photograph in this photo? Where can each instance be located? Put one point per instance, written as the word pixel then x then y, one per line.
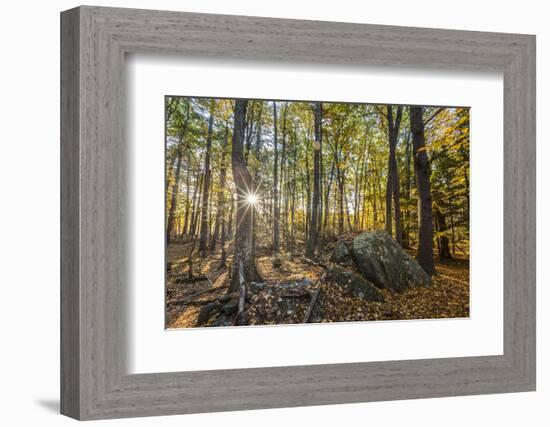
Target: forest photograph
pixel 295 212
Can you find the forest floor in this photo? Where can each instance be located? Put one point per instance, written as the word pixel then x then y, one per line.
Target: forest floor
pixel 276 303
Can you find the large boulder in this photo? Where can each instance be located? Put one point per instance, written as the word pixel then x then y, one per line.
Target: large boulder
pixel 382 261
pixel 341 254
pixel 354 284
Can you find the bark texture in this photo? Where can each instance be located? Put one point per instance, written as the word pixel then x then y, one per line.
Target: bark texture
pixel 313 226
pixel 425 251
pixel 244 267
pixel 203 244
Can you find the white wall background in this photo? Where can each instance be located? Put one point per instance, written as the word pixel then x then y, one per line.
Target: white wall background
pixel 29 212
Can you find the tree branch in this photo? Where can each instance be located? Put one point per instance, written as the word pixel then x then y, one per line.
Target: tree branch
pixel 434 115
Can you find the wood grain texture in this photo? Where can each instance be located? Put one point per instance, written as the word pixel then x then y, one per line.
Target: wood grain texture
pixel 94 382
pixel 70 314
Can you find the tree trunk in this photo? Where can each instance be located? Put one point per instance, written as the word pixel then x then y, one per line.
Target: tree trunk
pixel 223 259
pixel 389 228
pixel 357 194
pixel 425 251
pixel 275 184
pixel 346 204
pixel 171 165
pixel 340 180
pixel 392 186
pixel 244 266
pixel 187 193
pixel 406 231
pixel 230 219
pixel 327 194
pixel 293 196
pixel 374 207
pixel 203 243
pixel 443 239
pixel 396 201
pixel 174 198
pixel 171 107
pixel 220 209
pixel 306 188
pixel 282 187
pixel 175 187
pixel 313 228
pixel 249 124
pixel 256 180
pixel 196 203
pixel 321 172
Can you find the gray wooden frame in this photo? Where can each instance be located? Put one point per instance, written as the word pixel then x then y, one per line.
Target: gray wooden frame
pixel 94 41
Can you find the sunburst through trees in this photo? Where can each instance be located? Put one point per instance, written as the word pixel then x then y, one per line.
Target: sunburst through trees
pixel 292 211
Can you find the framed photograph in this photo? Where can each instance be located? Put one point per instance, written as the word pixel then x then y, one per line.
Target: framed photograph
pixel 296 233
pixel 262 213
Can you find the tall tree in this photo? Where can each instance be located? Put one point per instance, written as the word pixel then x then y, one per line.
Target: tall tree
pixel 257 148
pixel 313 226
pixel 203 243
pixel 175 187
pixel 187 194
pixel 425 251
pixel 220 209
pixel 196 200
pixel 392 184
pixel 243 268
pixel 175 191
pixel 340 180
pixel 283 195
pixel 276 226
pixel 406 231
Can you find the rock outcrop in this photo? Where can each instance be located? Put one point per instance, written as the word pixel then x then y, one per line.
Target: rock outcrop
pixel 354 284
pixel 341 254
pixel 381 260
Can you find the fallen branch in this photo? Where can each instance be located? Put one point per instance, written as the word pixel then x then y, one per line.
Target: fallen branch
pixel 242 298
pixel 315 263
pixel 198 294
pixel 309 311
pixel 296 294
pixel 240 319
pixel 315 295
pixel 192 279
pixel 186 302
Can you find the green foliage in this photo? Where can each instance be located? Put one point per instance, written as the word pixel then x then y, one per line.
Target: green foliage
pixel 354 165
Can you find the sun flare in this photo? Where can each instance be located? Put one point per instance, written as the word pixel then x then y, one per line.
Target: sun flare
pixel 252 199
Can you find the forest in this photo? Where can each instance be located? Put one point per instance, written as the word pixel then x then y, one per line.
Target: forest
pixel 283 212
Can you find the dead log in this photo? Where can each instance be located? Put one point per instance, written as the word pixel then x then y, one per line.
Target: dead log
pixel 187 302
pixel 242 298
pixel 309 261
pixel 309 312
pixel 296 294
pixel 315 295
pixel 198 294
pixel 192 279
pixel 240 318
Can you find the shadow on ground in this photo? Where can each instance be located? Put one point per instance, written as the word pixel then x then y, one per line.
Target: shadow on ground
pixel 51 405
